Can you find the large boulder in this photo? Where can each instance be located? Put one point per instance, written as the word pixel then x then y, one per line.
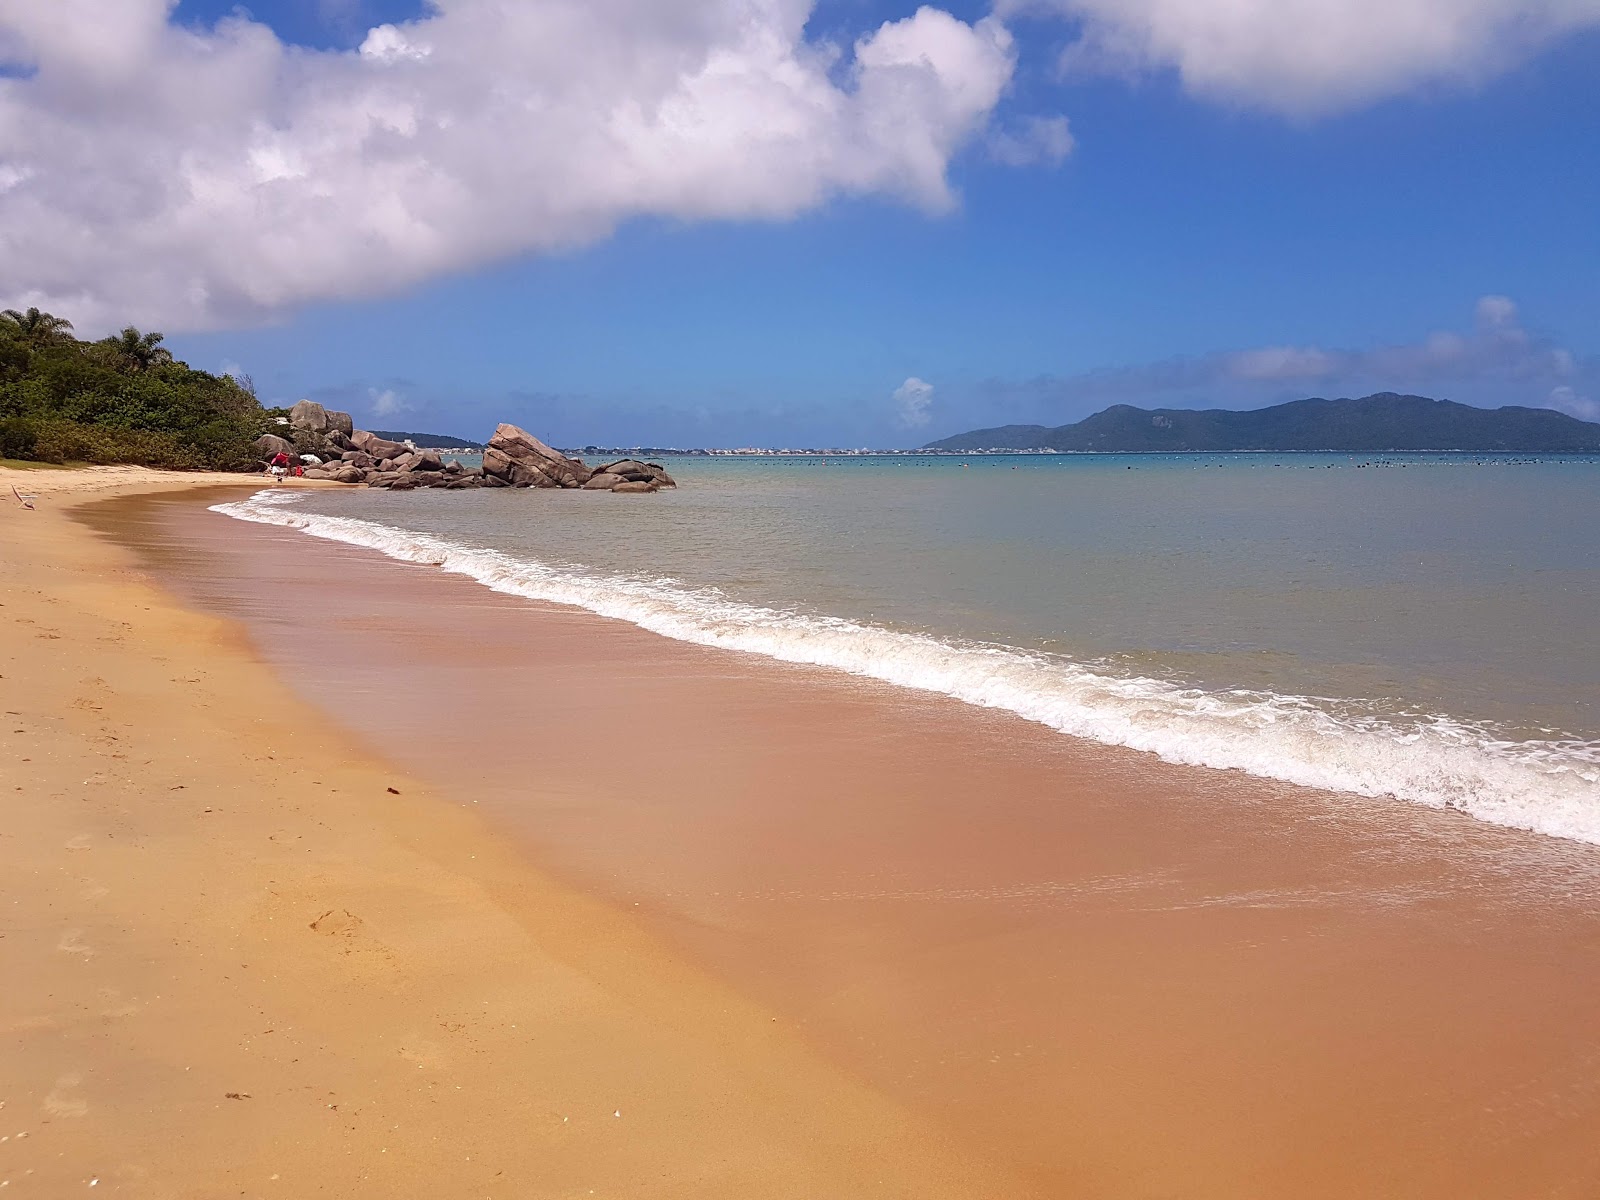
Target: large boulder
pixel 495 481
pixel 340 423
pixel 382 479
pixel 603 481
pixel 379 448
pixel 348 473
pixel 497 464
pixel 427 460
pixel 635 485
pixel 310 416
pixel 520 446
pixel 268 445
pixel 359 458
pixel 530 474
pixel 633 469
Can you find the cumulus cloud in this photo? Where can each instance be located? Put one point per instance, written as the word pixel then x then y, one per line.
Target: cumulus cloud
pixel 1311 56
pixel 188 177
pixel 1498 360
pixel 912 400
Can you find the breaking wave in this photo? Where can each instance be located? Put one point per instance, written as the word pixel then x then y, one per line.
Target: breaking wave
pixel 1550 787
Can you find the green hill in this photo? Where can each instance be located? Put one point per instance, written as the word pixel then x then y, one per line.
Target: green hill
pixel 1370 425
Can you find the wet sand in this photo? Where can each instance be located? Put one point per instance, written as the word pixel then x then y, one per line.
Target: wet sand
pixel 241 956
pixel 1111 976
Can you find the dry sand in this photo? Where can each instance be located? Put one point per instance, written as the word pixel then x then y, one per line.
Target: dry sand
pixel 1119 978
pixel 237 963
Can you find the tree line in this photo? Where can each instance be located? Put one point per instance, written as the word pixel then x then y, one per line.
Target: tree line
pixel 121 399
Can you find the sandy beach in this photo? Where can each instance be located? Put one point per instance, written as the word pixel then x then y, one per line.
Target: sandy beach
pixel 331 875
pixel 244 957
pixel 1099 973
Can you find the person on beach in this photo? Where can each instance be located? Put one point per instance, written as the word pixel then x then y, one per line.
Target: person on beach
pixel 279 466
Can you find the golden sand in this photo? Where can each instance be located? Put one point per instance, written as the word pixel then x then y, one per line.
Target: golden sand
pixel 241 957
pixel 1115 977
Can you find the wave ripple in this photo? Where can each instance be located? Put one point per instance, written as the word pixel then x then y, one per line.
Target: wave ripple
pixel 1549 787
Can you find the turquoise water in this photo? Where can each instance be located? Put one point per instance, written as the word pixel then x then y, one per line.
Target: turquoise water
pixel 1423 626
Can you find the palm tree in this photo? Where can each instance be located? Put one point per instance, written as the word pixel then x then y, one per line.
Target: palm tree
pixel 35 327
pixel 134 351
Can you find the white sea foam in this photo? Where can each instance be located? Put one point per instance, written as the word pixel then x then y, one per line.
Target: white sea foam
pixel 1551 787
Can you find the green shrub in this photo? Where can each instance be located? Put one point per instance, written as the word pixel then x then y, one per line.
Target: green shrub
pixel 120 400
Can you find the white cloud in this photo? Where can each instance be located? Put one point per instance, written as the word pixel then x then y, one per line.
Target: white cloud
pixel 1567 400
pixel 386 403
pixel 1046 140
pixel 912 400
pixel 176 177
pixel 1311 56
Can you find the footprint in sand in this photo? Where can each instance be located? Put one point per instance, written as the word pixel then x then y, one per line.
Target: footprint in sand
pixel 72 943
pixel 338 922
pixel 61 1102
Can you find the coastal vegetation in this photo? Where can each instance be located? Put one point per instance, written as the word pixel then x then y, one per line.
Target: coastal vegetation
pixel 1379 423
pixel 119 399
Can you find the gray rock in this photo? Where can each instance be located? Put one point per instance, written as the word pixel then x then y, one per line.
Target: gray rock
pixel 428 460
pixel 453 467
pixel 349 474
pixel 359 458
pixel 382 479
pixel 405 483
pixel 340 423
pixel 310 416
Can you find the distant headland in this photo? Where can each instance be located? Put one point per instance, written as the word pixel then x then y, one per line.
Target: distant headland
pixel 1381 423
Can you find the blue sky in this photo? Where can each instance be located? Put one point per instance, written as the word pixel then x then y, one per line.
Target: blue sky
pixel 1202 244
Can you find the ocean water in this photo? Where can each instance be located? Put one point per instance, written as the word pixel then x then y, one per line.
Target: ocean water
pixel 1422 627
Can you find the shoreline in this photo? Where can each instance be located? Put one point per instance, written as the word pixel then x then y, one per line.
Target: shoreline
pixel 239 961
pixel 1115 975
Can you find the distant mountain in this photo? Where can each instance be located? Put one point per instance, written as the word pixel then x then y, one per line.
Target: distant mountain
pixel 1370 425
pixel 437 441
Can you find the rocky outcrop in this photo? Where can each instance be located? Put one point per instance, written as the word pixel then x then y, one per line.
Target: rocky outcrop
pixel 523 460
pixel 513 458
pixel 632 471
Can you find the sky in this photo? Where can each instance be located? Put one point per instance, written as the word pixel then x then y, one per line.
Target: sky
pixel 831 223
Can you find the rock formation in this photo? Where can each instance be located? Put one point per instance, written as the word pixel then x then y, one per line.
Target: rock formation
pixel 513 458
